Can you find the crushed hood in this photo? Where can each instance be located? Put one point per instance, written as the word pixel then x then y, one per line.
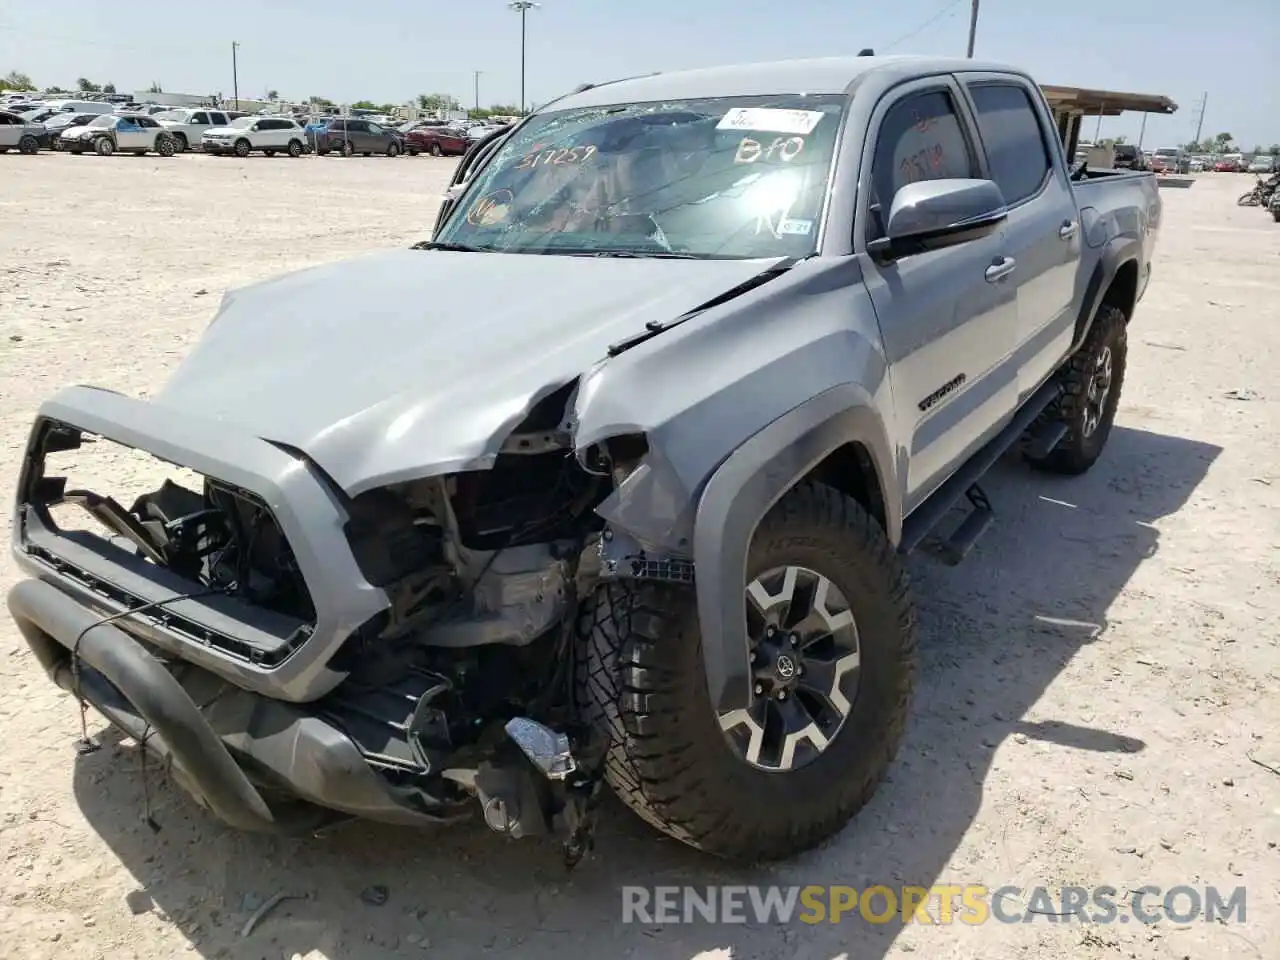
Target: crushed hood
pixel 410 363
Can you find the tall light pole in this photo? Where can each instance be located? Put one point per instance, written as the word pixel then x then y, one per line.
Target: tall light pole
pixel 973 28
pixel 477 82
pixel 522 7
pixel 235 76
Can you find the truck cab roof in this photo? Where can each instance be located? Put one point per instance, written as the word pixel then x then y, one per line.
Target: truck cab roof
pixel 813 75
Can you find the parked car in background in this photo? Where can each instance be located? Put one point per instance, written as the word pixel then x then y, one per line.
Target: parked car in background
pixel 1128 157
pixel 266 135
pixel 1231 163
pixel 437 141
pixel 54 127
pixel 124 132
pixel 351 135
pixel 480 131
pixel 18 134
pixel 1169 160
pixel 189 125
pixel 78 106
pixel 1263 163
pixel 39 115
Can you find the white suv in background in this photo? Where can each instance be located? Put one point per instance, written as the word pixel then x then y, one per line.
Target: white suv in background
pixel 269 135
pixel 189 125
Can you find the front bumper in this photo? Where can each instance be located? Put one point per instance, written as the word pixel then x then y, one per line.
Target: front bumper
pixel 246 758
pixel 259 650
pixel 216 146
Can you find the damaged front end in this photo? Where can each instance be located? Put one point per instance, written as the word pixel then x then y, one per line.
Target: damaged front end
pixel 297 655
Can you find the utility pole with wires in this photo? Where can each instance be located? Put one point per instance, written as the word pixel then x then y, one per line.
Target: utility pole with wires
pixel 973 28
pixel 476 78
pixel 1204 100
pixel 235 76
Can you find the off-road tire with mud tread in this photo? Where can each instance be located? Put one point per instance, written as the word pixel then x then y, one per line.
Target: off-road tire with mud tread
pixel 1076 453
pixel 640 682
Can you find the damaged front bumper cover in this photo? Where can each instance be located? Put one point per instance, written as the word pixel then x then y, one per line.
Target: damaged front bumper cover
pixel 287 659
pixel 237 751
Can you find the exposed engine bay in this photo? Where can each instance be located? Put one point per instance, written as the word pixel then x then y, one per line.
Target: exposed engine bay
pixel 461 687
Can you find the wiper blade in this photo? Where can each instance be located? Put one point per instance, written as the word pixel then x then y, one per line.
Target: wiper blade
pixel 655 327
pixel 635 254
pixel 445 245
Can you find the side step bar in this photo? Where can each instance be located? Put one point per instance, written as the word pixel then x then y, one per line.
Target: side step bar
pixel 926 517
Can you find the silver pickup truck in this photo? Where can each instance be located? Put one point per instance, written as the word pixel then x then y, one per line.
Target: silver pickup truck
pixel 737 340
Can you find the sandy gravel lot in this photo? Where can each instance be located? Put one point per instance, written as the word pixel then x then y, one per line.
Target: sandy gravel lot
pixel 1096 678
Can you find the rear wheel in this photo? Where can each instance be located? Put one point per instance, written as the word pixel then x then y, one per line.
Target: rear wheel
pixel 28 144
pixel 1092 379
pixel 166 146
pixel 393 149
pixel 436 150
pixel 242 147
pixel 348 148
pixel 295 148
pixel 832 637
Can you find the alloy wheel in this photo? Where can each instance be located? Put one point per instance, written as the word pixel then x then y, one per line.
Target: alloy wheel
pixel 805 661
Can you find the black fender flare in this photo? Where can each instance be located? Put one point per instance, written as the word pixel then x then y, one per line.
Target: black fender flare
pixel 1115 255
pixel 738 495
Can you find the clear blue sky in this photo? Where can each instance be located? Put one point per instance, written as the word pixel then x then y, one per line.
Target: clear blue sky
pixel 390 50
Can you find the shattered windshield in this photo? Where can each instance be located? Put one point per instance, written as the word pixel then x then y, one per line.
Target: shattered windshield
pixel 729 177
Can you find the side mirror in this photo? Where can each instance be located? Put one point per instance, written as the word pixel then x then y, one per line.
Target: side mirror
pixel 933 214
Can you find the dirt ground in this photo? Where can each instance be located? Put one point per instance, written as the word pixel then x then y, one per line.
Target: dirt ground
pixel 1099 681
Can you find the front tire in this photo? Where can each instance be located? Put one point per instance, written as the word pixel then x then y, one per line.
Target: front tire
pixel 393 149
pixel 180 143
pixel 104 147
pixel 295 148
pixel 166 146
pixel 437 150
pixel 28 144
pixel 1092 379
pixel 674 760
pixel 242 148
pixel 348 148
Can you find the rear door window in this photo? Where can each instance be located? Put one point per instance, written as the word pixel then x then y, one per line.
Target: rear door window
pixel 218 119
pixel 1017 151
pixel 200 118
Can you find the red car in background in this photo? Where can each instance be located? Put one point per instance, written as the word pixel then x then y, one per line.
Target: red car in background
pixel 437 141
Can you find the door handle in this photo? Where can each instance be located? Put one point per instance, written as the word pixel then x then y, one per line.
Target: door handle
pixel 1068 229
pixel 1001 268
